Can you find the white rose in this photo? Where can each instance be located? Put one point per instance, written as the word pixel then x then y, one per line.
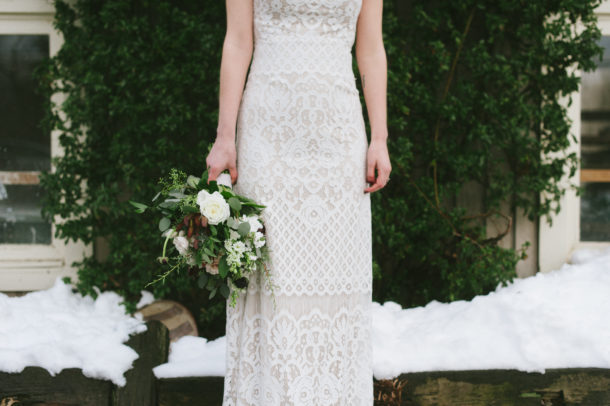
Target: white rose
pixel 181 244
pixel 213 206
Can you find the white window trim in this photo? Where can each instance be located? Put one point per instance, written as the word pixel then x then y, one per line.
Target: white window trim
pixel 558 241
pixel 25 267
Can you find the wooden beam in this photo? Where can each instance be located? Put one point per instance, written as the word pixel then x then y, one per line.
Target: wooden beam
pixel 19 177
pixel 595 175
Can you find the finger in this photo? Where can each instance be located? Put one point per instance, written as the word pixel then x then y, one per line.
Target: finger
pixel 370 171
pixel 383 177
pixel 233 173
pixel 213 174
pixel 376 186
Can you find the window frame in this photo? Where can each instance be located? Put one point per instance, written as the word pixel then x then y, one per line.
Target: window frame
pixel 557 241
pixel 27 267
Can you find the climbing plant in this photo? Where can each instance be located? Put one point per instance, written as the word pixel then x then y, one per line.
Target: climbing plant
pixel 474 103
pixel 473 90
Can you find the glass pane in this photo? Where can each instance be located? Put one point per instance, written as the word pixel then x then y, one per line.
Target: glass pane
pixel 595 212
pixel 20 218
pixel 23 145
pixel 595 149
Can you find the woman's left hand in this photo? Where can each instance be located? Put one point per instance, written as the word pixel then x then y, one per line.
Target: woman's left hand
pixel 377 157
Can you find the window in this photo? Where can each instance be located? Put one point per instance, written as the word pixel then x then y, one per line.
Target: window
pixel 30 257
pixel 24 148
pixel 595 151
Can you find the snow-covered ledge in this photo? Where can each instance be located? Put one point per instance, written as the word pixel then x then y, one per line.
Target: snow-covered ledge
pixel 557 319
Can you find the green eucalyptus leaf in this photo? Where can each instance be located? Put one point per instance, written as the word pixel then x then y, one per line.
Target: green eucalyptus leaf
pixel 224 290
pixel 213 293
pixel 140 208
pixel 178 195
pixel 252 204
pixel 164 224
pixel 169 203
pixel 190 209
pixel 235 203
pixel 243 229
pixel 223 267
pixel 193 181
pixel 202 280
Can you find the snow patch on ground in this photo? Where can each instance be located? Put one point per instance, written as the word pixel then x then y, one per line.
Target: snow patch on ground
pixel 57 329
pixel 190 356
pixel 146 299
pixel 558 319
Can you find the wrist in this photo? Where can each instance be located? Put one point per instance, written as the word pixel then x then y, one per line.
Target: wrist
pixel 379 137
pixel 225 133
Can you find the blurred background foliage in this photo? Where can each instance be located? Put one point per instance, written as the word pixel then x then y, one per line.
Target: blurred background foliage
pixel 473 90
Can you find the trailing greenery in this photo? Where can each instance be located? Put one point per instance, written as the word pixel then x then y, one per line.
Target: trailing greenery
pixel 473 88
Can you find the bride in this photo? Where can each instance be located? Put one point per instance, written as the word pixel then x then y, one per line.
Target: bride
pixel 292 135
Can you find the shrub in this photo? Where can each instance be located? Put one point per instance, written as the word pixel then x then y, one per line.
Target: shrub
pixel 472 96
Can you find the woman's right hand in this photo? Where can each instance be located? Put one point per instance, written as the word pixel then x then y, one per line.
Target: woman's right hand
pixel 223 155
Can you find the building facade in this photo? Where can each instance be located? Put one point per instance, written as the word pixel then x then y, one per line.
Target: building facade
pixel 31 258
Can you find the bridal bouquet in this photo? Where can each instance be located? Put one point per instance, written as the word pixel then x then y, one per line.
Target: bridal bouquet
pixel 217 235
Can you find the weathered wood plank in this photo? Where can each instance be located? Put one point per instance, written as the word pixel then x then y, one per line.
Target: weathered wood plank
pixel 196 391
pixel 556 387
pixel 570 386
pixel 35 386
pixel 152 347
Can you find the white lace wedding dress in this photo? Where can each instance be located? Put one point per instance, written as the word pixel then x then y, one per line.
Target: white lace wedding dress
pixel 301 151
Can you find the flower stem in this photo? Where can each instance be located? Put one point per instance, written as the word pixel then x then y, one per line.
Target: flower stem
pixel 165 243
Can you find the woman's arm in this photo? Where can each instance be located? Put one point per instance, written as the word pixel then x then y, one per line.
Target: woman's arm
pixel 236 57
pixel 372 64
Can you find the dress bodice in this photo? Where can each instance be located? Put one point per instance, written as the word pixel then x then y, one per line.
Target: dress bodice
pixel 313 36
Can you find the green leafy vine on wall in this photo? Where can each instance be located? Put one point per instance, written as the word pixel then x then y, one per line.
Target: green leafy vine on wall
pixel 473 90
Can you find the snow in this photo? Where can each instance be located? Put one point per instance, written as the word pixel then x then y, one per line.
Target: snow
pixel 194 356
pixel 145 299
pixel 558 319
pixel 57 329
